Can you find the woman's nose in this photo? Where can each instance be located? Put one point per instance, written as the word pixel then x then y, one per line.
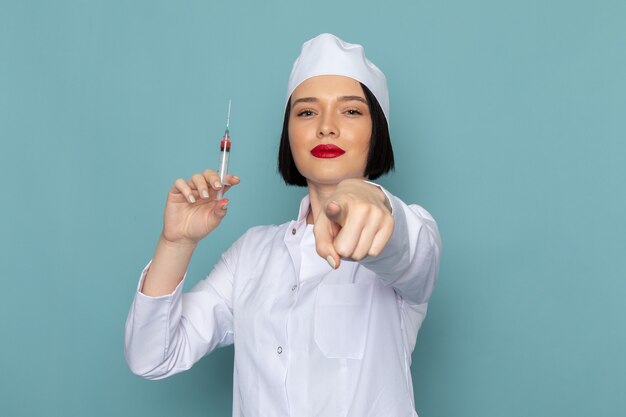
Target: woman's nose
pixel 328 126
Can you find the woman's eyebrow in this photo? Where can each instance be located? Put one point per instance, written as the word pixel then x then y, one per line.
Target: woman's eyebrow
pixel 305 100
pixel 352 98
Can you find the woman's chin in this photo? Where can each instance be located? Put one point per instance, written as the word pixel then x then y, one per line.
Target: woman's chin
pixel 327 181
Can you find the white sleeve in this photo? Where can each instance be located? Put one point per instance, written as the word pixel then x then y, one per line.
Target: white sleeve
pixel 168 334
pixel 410 261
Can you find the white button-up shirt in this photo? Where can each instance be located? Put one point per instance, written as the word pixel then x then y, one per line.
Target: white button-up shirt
pixel 309 340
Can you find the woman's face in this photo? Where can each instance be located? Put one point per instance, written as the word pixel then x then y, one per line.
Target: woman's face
pixel 330 129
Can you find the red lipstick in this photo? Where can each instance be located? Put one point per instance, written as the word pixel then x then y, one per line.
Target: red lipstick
pixel 327 151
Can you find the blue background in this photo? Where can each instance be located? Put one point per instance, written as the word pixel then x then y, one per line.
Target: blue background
pixel 509 123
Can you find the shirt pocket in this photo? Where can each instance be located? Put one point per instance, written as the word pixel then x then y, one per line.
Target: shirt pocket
pixel 341 319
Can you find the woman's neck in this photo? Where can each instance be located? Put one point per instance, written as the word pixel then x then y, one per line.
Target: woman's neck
pixel 318 195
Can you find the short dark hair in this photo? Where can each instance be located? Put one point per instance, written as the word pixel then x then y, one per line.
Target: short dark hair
pixel 379 159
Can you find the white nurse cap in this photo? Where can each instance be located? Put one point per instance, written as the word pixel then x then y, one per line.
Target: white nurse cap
pixel 326 54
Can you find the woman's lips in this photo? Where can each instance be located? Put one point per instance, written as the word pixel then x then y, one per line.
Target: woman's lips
pixel 327 151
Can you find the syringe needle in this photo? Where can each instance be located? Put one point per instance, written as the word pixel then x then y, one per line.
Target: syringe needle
pixel 228 117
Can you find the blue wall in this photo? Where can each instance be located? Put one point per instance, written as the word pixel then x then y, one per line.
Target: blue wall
pixel 508 121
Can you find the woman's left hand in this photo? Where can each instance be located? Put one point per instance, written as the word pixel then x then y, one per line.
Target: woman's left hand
pixel 354 222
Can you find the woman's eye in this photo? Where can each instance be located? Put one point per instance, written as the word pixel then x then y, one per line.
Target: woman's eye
pixel 353 112
pixel 305 113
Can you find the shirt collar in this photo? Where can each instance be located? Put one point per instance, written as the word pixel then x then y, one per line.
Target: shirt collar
pixel 304 209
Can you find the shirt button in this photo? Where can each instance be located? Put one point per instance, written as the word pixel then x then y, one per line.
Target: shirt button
pixel 294 288
pixel 279 350
pixel 293 231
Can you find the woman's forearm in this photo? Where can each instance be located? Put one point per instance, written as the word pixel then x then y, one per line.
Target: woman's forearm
pixel 168 267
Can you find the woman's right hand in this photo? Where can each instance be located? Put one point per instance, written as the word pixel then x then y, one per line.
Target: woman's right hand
pixel 191 210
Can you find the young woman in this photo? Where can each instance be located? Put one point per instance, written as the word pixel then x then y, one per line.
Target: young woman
pixel 323 310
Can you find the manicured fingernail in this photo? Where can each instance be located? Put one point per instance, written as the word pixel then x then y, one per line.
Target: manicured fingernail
pixel 205 194
pixel 235 177
pixel 217 184
pixel 191 199
pixel 225 206
pixel 331 262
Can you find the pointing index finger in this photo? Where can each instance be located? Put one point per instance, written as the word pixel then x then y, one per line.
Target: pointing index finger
pixel 325 231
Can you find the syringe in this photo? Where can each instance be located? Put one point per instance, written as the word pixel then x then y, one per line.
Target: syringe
pixel 224 155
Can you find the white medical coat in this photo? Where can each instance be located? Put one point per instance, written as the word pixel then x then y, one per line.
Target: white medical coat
pixel 309 340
